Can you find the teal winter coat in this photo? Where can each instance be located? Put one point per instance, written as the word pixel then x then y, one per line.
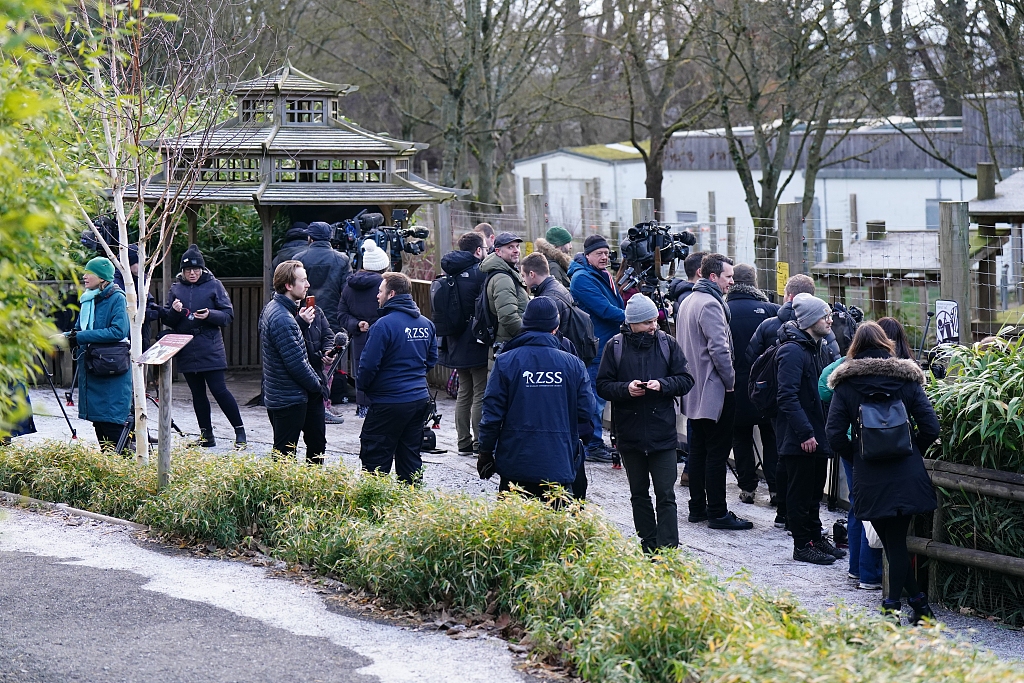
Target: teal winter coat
pixel 104 399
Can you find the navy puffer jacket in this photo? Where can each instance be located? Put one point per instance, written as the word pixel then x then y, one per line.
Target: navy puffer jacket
pixel 536 397
pixel 801 412
pixel 463 351
pixel 206 350
pixel 288 378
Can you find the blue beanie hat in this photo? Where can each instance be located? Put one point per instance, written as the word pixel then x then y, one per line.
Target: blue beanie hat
pixel 541 315
pixel 318 230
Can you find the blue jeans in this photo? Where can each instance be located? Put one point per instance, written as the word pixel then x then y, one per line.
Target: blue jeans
pixel 865 561
pixel 597 439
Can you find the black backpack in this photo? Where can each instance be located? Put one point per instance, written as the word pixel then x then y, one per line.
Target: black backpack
pixel 763 386
pixel 662 338
pixel 446 307
pixel 884 428
pixel 844 326
pixel 484 323
pixel 579 329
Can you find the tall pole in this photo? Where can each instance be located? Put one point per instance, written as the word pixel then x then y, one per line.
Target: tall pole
pixel 163 462
pixel 955 262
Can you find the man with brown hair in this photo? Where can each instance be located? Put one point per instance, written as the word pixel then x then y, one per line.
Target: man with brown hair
pixel 400 349
pixel 293 391
pixel 487 231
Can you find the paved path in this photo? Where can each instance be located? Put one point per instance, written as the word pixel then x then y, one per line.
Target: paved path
pixel 763 554
pixel 87 603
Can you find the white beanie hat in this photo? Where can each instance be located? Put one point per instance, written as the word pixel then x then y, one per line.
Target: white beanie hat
pixel 374 257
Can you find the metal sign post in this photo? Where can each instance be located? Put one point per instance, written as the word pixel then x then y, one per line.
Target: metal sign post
pixel 161 354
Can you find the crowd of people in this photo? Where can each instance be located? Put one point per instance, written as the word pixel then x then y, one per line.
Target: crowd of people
pixel 539 344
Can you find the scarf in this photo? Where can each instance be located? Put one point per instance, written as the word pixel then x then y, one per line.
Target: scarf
pixel 88 312
pixel 709 287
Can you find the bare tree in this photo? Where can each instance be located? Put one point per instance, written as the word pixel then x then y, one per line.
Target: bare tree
pixel 129 75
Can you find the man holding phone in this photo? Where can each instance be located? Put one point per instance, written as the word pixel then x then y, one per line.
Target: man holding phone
pixel 642 372
pixel 293 390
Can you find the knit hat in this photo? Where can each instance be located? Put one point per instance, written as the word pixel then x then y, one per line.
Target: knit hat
pixel 640 309
pixel 593 243
pixel 101 267
pixel 192 258
pixel 506 238
pixel 745 274
pixel 319 231
pixel 374 257
pixel 809 309
pixel 541 315
pixel 299 230
pixel 558 236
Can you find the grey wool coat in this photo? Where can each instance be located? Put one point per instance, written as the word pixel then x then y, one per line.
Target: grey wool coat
pixel 703 333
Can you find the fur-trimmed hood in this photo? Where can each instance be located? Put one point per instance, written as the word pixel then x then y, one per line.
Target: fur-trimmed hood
pixel 897 368
pixel 552 253
pixel 740 291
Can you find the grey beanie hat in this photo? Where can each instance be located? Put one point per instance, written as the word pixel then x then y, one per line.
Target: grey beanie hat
pixel 640 309
pixel 809 309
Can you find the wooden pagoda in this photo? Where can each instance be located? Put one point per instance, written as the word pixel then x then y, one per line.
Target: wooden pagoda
pixel 288 145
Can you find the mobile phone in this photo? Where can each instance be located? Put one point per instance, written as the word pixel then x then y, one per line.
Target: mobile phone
pixel 310 301
pixel 203 310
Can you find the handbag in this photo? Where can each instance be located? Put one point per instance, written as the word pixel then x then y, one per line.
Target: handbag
pixel 108 360
pixel 873 540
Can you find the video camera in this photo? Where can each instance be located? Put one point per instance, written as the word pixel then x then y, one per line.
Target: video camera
pixel 107 228
pixel 350 234
pixel 643 243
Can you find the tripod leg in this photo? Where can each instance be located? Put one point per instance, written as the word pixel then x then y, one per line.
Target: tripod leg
pixel 122 441
pixel 49 378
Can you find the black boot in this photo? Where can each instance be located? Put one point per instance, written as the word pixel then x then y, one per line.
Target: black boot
pixel 206 439
pixel 891 610
pixel 919 603
pixel 239 438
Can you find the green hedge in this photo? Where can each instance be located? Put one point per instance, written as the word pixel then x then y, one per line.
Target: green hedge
pixel 585 595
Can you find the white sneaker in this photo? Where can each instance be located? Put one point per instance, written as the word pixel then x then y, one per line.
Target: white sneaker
pixel 869 586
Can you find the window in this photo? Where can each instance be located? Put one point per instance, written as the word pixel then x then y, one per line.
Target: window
pixel 402 168
pixel 931 213
pixel 257 111
pixel 219 169
pixel 330 170
pixel 686 216
pixel 334 109
pixel 304 111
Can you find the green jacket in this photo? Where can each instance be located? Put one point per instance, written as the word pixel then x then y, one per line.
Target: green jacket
pixel 823 390
pixel 105 399
pixel 506 295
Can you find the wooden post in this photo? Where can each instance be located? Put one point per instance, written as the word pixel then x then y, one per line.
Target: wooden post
pixel 440 214
pixel 424 170
pixel 712 221
pixel 163 462
pixel 938 534
pixel 534 217
pixel 853 217
pixel 643 210
pixel 266 214
pixel 544 181
pixel 955 261
pixel 987 292
pixel 766 240
pixel 834 245
pixel 730 232
pixel 986 180
pixel 1017 262
pixel 192 214
pixel 879 304
pixel 791 237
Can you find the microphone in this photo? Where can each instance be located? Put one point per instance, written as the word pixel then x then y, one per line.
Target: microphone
pixel 340 341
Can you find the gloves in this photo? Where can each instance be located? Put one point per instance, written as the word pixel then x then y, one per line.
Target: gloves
pixel 72 337
pixel 485 465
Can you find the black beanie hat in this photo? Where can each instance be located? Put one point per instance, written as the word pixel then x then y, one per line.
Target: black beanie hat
pixel 541 315
pixel 299 230
pixel 593 243
pixel 192 258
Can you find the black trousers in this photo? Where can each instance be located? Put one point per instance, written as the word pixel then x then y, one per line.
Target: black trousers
pixel 893 532
pixel 709 458
pixel 578 489
pixel 108 433
pixel 746 462
pixel 659 468
pixel 306 419
pixel 393 432
pixel 804 491
pixel 214 379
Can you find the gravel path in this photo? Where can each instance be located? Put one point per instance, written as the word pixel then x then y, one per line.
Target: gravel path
pixel 763 554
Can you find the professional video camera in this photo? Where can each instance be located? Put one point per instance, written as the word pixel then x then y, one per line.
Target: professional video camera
pixel 107 228
pixel 350 234
pixel 647 247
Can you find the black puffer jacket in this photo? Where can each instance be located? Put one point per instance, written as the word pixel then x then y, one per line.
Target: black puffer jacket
pixel 463 351
pixel 319 338
pixel 801 412
pixel 678 290
pixel 554 290
pixel 290 249
pixel 327 270
pixel 288 378
pixel 768 331
pixel 646 423
pixel 206 350
pixel 749 308
pixel 883 488
pixel 359 303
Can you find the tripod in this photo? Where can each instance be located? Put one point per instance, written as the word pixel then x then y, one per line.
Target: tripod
pixel 129 427
pixel 49 378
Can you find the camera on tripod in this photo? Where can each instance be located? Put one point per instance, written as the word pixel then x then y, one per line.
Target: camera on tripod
pixel 350 234
pixel 106 227
pixel 647 244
